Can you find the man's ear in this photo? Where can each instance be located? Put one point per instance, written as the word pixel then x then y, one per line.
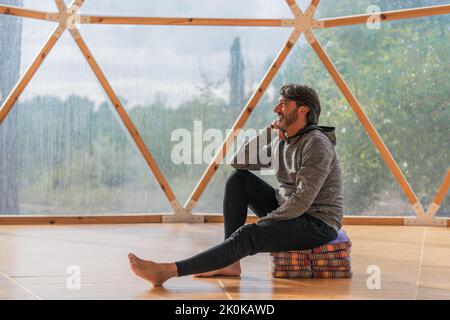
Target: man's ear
pixel 303 110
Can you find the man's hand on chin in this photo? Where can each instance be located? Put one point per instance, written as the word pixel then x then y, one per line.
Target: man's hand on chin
pixel 280 132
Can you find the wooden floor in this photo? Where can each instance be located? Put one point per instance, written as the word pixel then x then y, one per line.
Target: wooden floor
pixel 414 264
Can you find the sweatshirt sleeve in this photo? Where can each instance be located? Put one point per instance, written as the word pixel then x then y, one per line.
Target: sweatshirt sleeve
pixel 256 152
pixel 316 163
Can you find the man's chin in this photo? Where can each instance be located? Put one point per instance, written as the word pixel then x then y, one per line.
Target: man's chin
pixel 281 125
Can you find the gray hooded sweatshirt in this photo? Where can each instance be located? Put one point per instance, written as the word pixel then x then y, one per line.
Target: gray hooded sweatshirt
pixel 307 169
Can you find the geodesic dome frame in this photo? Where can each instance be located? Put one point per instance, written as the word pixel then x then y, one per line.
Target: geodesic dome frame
pixel 68 17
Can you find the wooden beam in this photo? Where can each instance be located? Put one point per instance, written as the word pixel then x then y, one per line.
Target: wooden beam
pixel 384 16
pixel 365 121
pixel 29 73
pixel 22 12
pixel 157 218
pixel 101 219
pixel 291 2
pixel 60 4
pixel 440 195
pixel 77 3
pixel 348 220
pixel 240 122
pixel 134 133
pixel 374 221
pixel 443 189
pixel 311 10
pixel 181 21
pixel 295 9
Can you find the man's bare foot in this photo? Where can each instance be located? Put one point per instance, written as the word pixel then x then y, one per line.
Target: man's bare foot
pixel 155 273
pixel 233 270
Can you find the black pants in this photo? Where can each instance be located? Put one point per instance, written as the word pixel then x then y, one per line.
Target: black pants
pixel 244 189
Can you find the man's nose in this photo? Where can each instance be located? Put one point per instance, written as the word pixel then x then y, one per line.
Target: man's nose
pixel 277 108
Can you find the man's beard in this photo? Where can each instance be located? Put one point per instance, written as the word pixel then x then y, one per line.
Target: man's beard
pixel 285 121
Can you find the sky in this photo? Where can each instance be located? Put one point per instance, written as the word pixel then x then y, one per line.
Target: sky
pixel 145 63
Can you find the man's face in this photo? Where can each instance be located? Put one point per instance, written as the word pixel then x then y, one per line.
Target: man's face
pixel 287 112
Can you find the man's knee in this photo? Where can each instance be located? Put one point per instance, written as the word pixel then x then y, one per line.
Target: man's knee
pixel 246 236
pixel 238 176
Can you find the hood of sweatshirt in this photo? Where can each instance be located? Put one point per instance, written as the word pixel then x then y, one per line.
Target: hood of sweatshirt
pixel 330 132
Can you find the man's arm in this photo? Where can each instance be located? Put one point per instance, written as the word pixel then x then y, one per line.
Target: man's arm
pixel 317 160
pixel 256 152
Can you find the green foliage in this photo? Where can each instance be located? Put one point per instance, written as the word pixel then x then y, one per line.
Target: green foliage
pixel 398 73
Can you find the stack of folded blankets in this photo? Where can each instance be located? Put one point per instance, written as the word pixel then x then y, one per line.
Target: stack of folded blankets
pixel 331 260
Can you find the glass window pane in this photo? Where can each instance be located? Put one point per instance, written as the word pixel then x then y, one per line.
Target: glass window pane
pixel 369 187
pixel 444 210
pixel 21 40
pixel 73 156
pixel 19 45
pixel 183 85
pixel 400 74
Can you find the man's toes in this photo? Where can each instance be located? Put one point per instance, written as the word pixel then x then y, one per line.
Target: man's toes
pixel 136 258
pixel 134 267
pixel 139 260
pixel 135 262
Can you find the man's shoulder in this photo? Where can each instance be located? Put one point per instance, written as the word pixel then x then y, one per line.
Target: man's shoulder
pixel 317 138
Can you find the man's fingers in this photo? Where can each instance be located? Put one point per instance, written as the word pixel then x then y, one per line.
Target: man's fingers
pixel 280 132
pixel 274 125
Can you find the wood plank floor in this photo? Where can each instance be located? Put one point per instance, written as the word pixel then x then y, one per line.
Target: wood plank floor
pixel 414 264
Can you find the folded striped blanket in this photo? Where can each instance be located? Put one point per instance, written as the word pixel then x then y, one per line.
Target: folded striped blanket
pixel 314 263
pixel 331 263
pixel 312 274
pixel 332 274
pixel 290 255
pixel 331 260
pixel 330 247
pixel 292 274
pixel 287 261
pixel 291 268
pixel 330 255
pixel 331 268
